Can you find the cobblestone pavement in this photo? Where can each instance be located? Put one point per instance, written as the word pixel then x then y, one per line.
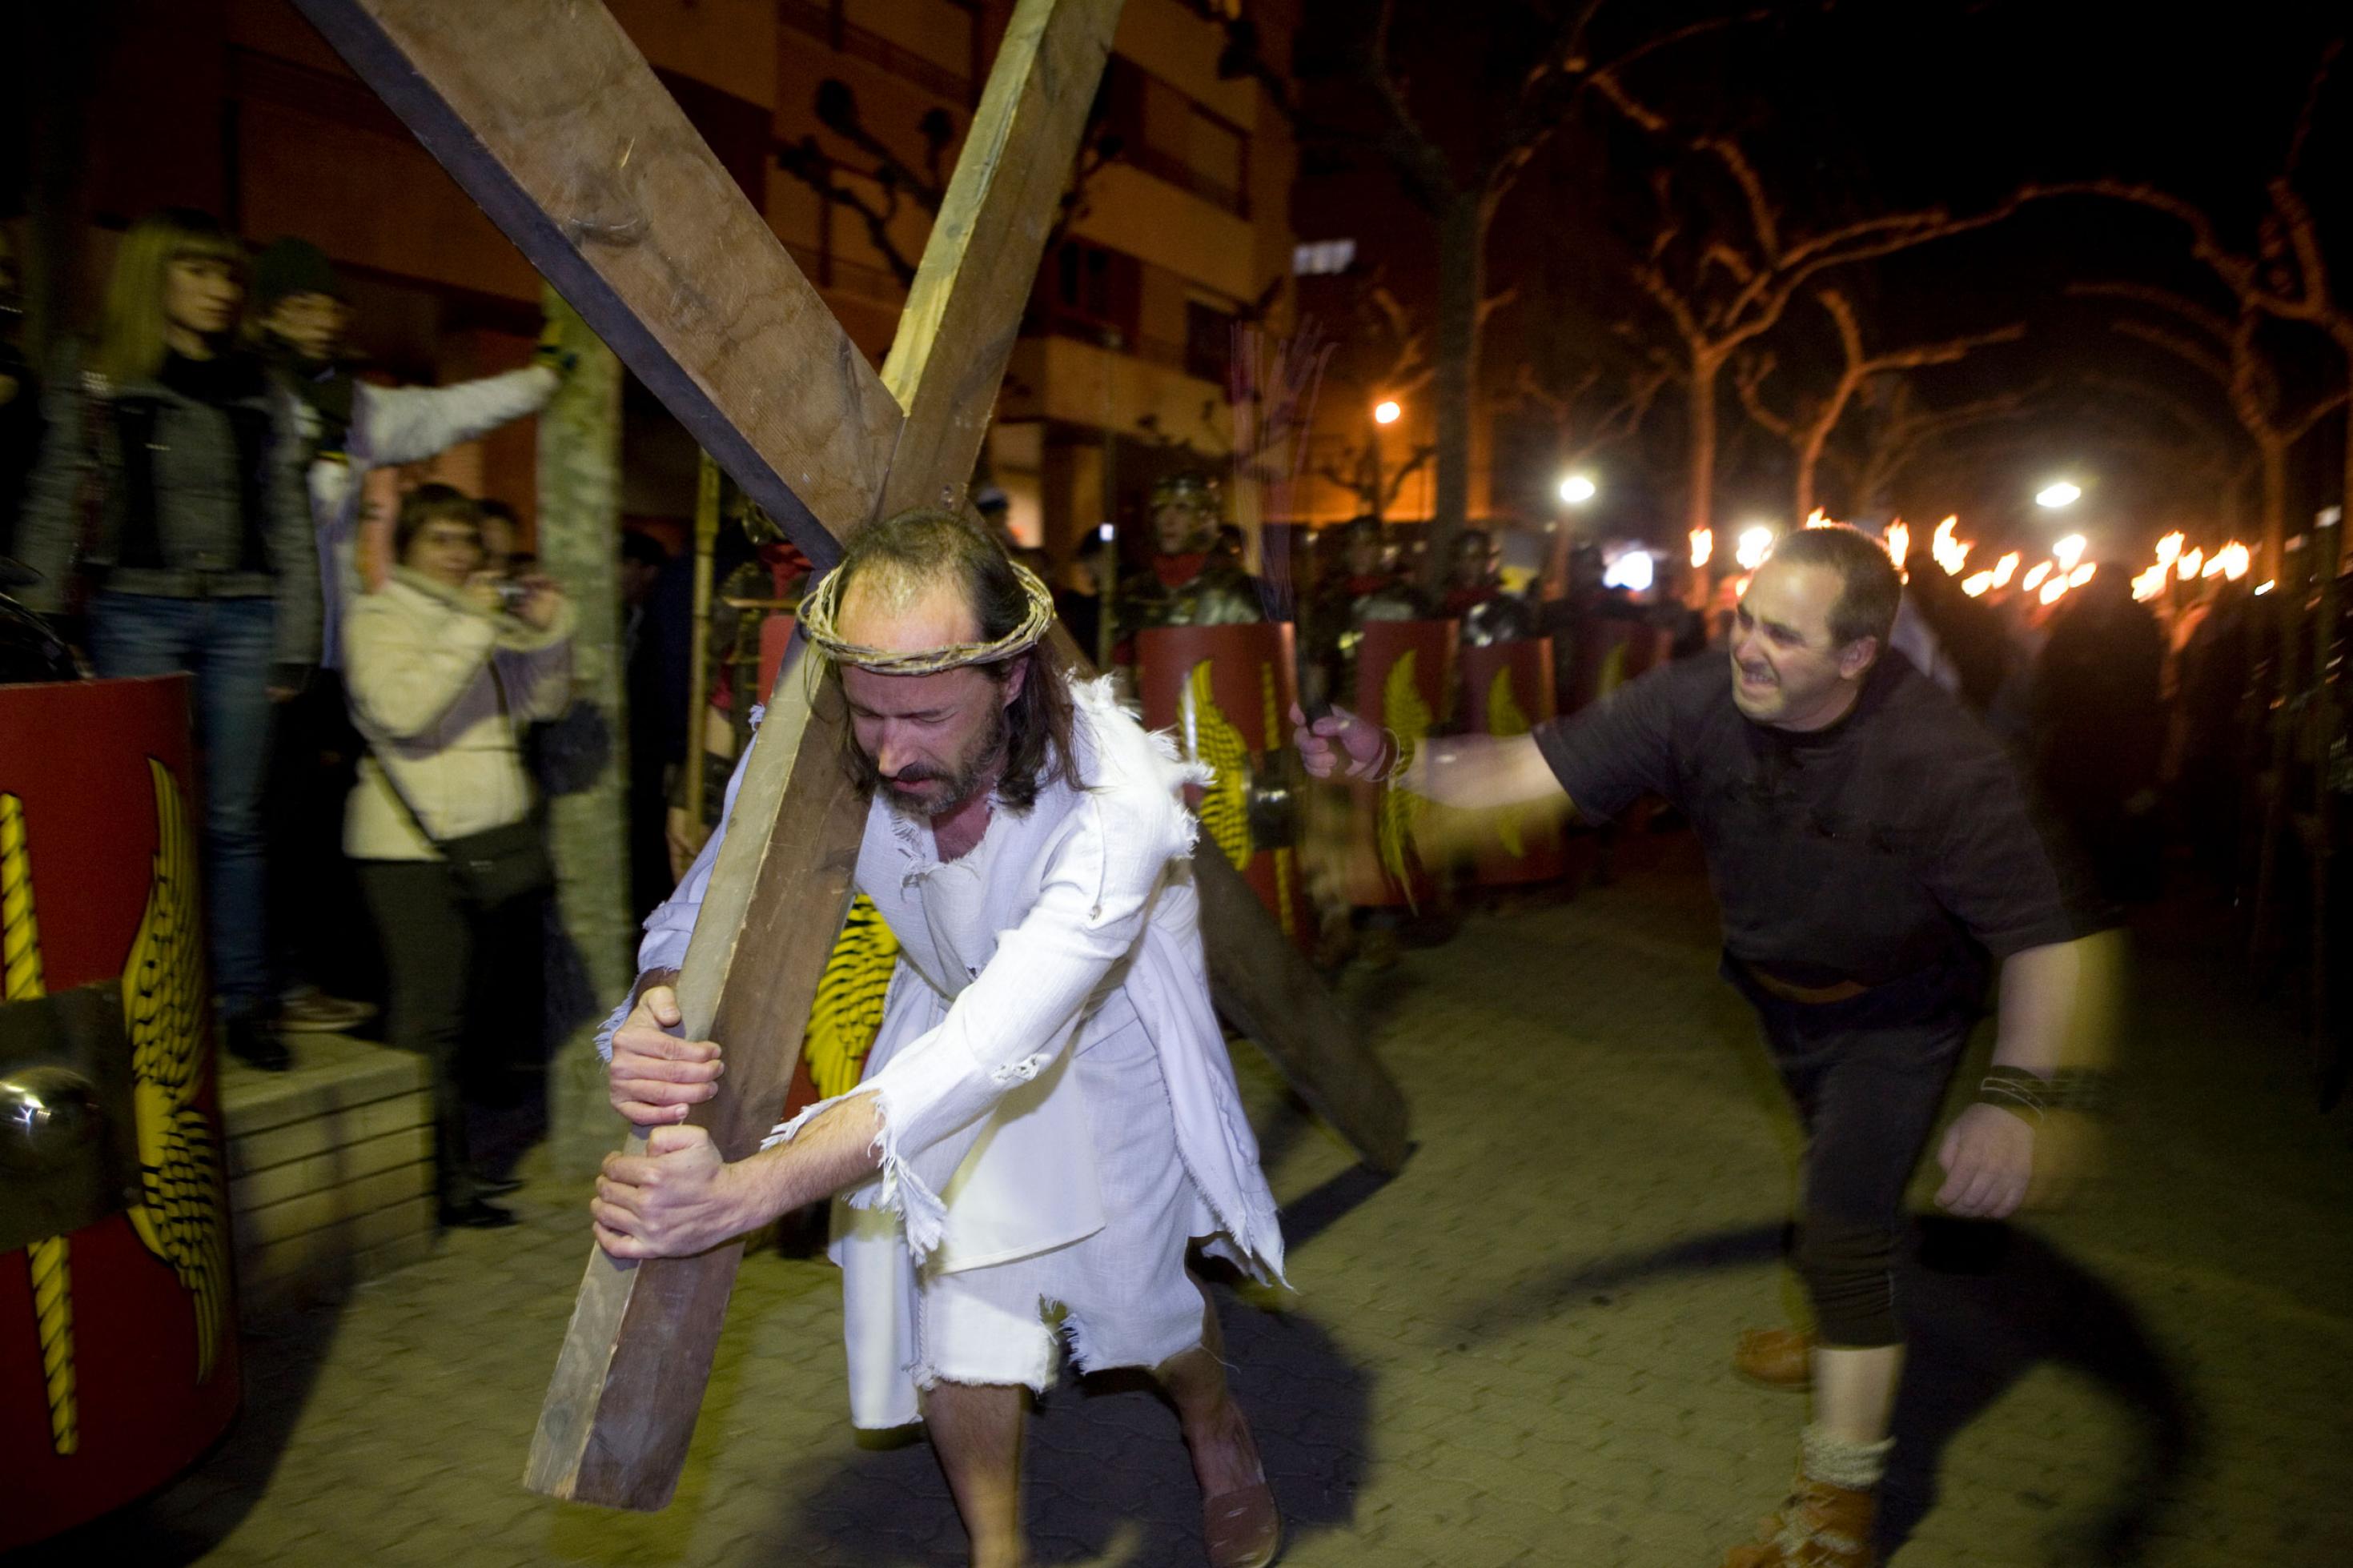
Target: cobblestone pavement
pixel 1512 1353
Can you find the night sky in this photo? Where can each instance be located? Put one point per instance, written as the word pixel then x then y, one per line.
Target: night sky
pixel 1851 110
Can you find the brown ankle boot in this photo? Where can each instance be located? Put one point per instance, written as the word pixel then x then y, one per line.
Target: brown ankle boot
pixel 1819 1526
pixel 1777 1358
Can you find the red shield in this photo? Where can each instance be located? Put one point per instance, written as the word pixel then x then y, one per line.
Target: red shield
pixel 1226 693
pixel 1507 690
pixel 1404 681
pixel 1610 652
pixel 118 1338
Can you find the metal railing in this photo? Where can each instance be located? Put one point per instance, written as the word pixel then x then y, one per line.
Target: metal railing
pixel 847 38
pixel 855 278
pixel 1167 166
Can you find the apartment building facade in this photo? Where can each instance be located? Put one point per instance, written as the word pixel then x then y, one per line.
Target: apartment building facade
pixel 839 118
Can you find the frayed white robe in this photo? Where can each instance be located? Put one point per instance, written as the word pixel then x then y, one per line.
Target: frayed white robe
pixel 1086 922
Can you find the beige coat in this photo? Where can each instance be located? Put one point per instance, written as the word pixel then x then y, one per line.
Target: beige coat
pixel 418 664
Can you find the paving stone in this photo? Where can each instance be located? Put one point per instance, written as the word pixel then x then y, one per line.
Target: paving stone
pixel 1514 1352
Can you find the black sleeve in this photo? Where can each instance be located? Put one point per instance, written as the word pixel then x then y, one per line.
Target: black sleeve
pixel 1616 750
pixel 2003 868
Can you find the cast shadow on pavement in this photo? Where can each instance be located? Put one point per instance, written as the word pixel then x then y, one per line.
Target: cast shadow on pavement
pixel 1988 1303
pixel 1983 1304
pixel 189 1517
pixel 1105 1474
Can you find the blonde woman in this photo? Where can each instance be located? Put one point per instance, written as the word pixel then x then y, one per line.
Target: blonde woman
pixel 196 557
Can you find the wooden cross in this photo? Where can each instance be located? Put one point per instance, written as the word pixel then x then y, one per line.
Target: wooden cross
pixel 551 119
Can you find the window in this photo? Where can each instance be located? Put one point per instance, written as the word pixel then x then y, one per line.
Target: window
pixel 1163 131
pixel 1091 292
pixel 1209 342
pixel 1324 259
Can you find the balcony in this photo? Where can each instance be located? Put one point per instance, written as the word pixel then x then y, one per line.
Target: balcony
pixel 823 24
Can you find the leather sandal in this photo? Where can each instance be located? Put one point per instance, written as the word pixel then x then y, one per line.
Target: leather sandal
pixel 1776 1358
pixel 1241 1527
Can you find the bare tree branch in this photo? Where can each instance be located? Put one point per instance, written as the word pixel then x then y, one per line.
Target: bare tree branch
pixel 1910 429
pixel 2305 116
pixel 1749 375
pixel 2189 350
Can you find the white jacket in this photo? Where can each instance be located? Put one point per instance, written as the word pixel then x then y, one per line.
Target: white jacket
pixel 392 425
pixel 441 691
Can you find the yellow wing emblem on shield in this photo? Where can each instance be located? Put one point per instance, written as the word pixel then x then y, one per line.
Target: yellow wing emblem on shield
pixel 179 1215
pixel 1409 718
pixel 850 997
pixel 1506 717
pixel 1211 737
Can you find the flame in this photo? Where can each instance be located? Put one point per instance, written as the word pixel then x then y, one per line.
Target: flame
pixel 1754 544
pixel 2264 586
pixel 2053 589
pixel 2005 569
pixel 1977 583
pixel 2082 575
pixel 2187 567
pixel 2068 552
pixel 2035 574
pixel 2151 583
pixel 1818 519
pixel 1899 542
pixel 2235 559
pixel 1951 553
pixel 1702 545
pixel 2169 549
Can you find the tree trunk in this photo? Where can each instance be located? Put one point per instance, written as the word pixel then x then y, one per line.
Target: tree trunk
pixel 1699 506
pixel 1461 268
pixel 580 547
pixel 1809 456
pixel 2274 457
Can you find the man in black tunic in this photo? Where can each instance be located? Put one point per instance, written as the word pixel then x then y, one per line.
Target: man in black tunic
pixel 1873 855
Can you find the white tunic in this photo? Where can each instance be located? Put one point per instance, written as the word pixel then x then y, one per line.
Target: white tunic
pixel 1060 1114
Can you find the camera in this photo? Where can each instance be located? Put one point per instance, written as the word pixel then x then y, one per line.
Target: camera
pixel 511 593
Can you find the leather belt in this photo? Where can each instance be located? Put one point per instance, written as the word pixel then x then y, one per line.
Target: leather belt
pixel 1812 995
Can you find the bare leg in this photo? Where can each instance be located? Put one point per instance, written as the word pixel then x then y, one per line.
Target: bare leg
pixel 975 1430
pixel 1855 1391
pixel 1225 1456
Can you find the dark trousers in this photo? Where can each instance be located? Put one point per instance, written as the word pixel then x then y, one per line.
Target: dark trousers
pixel 1866 1081
pixel 465 994
pixel 316 916
pixel 226 643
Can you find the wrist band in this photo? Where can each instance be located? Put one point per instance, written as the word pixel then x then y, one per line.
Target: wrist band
pixel 2032 1096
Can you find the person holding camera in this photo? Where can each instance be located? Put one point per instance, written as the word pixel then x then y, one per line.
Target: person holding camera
pixel 445 665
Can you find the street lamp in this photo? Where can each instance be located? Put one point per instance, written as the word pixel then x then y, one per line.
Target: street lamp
pixel 1386 411
pixel 2051 497
pixel 1576 490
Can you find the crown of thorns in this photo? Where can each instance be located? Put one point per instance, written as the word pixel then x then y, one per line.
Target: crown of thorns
pixel 819 606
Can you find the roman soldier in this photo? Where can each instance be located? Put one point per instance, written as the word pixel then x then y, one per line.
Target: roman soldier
pixel 1190 583
pixel 1475 597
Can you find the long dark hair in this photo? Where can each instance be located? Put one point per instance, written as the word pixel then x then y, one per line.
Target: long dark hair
pixel 922 546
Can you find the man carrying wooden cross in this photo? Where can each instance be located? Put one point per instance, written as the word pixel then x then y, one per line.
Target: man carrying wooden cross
pixel 1047 1116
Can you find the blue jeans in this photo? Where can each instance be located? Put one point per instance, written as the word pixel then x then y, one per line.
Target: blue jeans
pixel 228 646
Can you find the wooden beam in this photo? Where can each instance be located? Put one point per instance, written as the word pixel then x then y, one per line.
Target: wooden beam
pixel 553 122
pixel 549 118
pixel 621 1408
pixel 1266 989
